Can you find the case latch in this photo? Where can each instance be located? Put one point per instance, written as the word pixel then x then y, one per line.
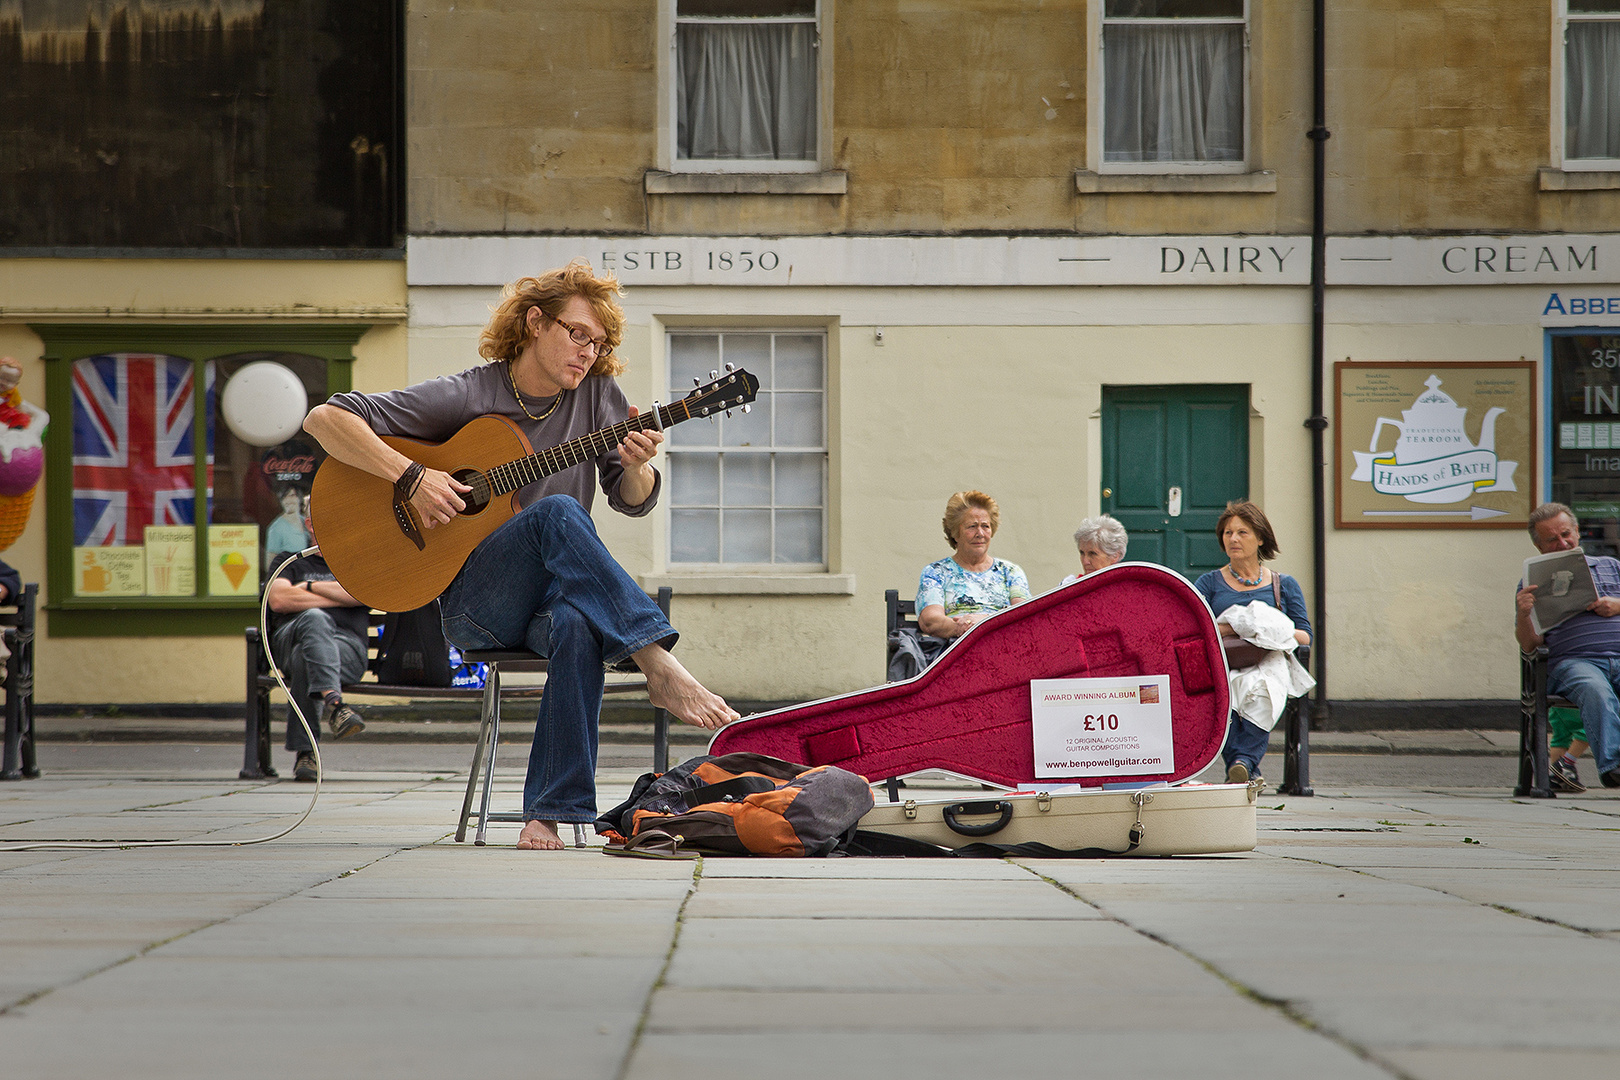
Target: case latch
pixel 1141 799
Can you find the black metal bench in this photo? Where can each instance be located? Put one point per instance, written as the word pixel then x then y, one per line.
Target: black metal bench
pixel 1534 782
pixel 1296 718
pixel 256 748
pixel 17 626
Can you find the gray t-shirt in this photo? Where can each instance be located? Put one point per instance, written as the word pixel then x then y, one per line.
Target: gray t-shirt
pixel 434 410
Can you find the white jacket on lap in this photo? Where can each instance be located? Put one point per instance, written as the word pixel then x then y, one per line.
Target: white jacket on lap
pixel 1261 692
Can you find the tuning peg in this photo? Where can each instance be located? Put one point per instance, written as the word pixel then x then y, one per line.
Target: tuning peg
pixel 696 381
pixel 748 408
pixel 714 374
pixel 728 413
pixel 731 367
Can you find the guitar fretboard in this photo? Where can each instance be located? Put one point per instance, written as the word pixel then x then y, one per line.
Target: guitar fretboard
pixel 507 478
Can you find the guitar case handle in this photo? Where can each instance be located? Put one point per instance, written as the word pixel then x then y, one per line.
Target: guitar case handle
pixel 1004 808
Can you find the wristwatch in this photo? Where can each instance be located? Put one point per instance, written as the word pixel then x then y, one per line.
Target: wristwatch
pixel 309 586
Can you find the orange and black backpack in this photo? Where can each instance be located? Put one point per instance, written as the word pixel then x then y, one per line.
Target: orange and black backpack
pixel 739 804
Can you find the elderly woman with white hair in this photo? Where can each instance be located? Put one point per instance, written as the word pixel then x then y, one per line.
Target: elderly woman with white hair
pixel 1101 541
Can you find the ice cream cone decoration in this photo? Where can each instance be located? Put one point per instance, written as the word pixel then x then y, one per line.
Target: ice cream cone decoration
pixel 235 566
pixel 22 453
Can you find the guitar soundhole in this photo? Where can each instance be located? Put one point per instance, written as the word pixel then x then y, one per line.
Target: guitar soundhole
pixel 478 498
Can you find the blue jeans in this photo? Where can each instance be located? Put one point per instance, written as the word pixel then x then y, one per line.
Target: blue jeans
pixel 544 582
pixel 1589 681
pixel 317 657
pixel 1245 742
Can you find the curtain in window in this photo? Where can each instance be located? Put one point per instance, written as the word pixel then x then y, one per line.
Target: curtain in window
pixel 1173 93
pixel 746 92
pixel 1592 90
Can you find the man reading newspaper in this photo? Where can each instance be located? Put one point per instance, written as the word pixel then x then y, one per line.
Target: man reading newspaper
pixel 1583 651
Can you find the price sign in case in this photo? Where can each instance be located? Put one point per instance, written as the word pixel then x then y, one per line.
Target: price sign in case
pixel 1102 727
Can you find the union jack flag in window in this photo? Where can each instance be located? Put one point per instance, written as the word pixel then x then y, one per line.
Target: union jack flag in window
pixel 134 458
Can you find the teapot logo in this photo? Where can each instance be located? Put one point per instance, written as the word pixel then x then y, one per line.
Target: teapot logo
pixel 1433 460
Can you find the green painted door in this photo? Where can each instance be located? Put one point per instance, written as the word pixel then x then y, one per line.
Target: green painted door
pixel 1172 458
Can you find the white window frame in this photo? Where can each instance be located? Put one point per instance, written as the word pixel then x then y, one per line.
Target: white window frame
pixel 669 115
pixel 675 451
pixel 1095 81
pixel 1559 67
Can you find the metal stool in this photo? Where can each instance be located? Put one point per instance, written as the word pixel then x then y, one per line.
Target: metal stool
pixel 489 728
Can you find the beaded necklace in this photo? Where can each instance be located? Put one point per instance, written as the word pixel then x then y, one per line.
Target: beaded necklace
pixel 1261 576
pixel 554 401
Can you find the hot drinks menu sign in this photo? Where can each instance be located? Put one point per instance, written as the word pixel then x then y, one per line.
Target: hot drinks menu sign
pixel 1440 445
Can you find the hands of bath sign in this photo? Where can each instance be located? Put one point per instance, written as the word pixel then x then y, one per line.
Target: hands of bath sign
pixel 1433 460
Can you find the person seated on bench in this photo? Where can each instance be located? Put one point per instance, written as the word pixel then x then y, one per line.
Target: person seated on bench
pixel 1261 688
pixel 318 637
pixel 543 580
pixel 10 589
pixel 965 588
pixel 1101 541
pixel 1583 651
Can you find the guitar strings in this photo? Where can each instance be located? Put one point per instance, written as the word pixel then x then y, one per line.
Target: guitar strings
pixel 522 472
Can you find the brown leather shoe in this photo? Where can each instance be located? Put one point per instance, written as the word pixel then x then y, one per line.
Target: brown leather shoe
pixel 343 721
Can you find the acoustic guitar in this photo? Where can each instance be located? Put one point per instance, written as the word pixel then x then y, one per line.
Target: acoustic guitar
pixel 375 542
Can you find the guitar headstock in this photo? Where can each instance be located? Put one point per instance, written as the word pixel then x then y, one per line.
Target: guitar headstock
pixel 735 389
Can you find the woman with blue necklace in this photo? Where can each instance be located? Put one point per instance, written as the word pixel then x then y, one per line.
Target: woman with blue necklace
pixel 1247 538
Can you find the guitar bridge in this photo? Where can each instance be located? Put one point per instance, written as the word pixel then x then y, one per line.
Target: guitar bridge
pixel 405 515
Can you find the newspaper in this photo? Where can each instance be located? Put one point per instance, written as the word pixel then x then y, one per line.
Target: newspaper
pixel 1564 587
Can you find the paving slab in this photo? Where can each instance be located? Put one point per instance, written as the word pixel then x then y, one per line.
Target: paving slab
pixel 1147 1050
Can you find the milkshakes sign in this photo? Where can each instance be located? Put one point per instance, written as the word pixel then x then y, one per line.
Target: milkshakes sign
pixel 1102 727
pixel 1446 444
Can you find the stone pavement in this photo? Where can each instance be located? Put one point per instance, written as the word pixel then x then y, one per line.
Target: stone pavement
pixel 1414 932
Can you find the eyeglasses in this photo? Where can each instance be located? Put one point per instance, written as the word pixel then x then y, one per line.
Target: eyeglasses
pixel 580 336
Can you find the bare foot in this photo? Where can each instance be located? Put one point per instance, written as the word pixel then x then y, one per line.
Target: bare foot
pixel 539 836
pixel 670 686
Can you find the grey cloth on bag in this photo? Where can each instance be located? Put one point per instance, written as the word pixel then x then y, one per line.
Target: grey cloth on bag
pixel 913 651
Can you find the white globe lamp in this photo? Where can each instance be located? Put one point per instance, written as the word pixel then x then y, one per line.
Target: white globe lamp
pixel 264 403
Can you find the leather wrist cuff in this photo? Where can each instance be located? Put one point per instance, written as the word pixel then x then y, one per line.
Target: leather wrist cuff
pixel 409 481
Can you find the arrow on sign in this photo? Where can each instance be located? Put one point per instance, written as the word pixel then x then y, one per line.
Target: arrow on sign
pixel 1473 513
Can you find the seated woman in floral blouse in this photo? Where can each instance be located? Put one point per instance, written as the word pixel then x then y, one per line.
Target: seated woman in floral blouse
pixel 965 588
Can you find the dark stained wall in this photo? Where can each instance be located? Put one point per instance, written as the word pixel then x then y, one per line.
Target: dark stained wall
pixel 200 123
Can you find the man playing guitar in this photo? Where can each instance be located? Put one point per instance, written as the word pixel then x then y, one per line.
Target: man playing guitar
pixel 543 580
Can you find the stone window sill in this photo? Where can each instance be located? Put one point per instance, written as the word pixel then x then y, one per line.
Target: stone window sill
pixel 1560 180
pixel 752 584
pixel 1263 182
pixel 810 183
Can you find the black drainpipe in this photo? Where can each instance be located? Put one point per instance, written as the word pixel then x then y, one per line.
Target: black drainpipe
pixel 1318 420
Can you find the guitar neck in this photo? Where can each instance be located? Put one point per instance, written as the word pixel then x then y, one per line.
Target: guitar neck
pixel 504 479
